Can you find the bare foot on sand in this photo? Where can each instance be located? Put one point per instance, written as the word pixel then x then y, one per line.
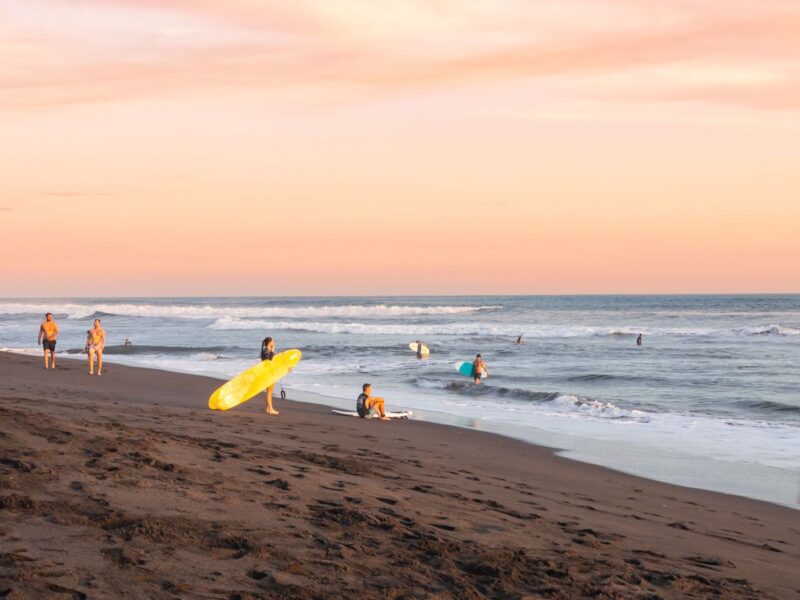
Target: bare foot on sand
pixel 385 419
pixel 273 412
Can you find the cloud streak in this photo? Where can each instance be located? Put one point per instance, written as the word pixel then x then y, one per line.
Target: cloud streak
pixel 75 194
pixel 307 47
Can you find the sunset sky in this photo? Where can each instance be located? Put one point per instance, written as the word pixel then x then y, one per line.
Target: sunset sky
pixel 225 147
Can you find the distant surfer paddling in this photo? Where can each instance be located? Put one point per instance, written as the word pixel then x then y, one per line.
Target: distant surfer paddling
pixel 48 335
pixel 419 348
pixel 268 353
pixel 368 406
pixel 478 368
pixel 96 342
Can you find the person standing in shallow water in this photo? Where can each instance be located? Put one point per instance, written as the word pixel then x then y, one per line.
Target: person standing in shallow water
pixel 478 367
pixel 268 353
pixel 639 340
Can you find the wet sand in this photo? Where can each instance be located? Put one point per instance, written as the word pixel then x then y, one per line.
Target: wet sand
pixel 127 485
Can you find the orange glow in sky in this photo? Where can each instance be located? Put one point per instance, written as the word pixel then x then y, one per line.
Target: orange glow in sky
pixel 226 147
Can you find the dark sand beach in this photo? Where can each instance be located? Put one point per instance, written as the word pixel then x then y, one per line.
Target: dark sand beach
pixel 128 486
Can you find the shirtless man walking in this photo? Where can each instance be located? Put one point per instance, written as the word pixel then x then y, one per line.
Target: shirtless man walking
pixel 48 334
pixel 97 341
pixel 478 368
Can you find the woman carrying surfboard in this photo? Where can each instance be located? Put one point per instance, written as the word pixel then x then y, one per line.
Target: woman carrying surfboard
pixel 253 381
pixel 268 353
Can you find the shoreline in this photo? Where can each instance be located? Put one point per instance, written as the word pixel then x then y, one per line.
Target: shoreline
pixel 596 453
pixel 123 484
pixel 709 474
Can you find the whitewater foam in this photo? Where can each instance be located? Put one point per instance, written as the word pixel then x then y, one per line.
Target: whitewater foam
pixel 554 403
pixel 568 404
pixel 206 356
pixel 488 329
pixel 85 311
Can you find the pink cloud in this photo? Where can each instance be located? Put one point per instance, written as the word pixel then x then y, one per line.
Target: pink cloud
pixel 316 56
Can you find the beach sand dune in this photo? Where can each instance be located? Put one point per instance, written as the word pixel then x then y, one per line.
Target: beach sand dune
pixel 128 486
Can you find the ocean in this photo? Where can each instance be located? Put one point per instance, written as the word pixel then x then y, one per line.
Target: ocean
pixel 710 400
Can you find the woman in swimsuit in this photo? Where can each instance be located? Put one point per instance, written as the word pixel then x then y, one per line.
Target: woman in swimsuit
pixel 267 353
pixel 97 341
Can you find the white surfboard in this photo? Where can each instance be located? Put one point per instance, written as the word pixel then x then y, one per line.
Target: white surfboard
pixel 424 351
pixel 403 414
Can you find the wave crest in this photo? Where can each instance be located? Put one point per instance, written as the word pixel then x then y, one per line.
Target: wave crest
pixel 186 311
pixel 550 402
pixel 483 330
pixel 768 406
pixel 135 349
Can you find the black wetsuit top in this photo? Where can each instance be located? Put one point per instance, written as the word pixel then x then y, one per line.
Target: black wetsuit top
pixel 361 406
pixel 266 354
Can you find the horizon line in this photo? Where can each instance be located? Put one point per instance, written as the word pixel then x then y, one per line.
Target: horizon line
pixel 291 296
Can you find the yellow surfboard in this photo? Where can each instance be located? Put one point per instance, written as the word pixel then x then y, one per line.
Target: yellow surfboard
pixel 253 381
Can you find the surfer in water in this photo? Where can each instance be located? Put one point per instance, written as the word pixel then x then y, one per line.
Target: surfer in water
pixel 369 406
pixel 96 342
pixel 267 353
pixel 478 367
pixel 639 340
pixel 419 348
pixel 48 334
pixel 519 340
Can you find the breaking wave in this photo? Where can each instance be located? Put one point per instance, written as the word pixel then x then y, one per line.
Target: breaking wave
pixel 187 311
pixel 550 402
pixel 134 350
pixel 484 329
pixel 768 406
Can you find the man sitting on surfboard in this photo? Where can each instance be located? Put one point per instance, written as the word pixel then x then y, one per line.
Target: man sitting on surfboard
pixel 369 406
pixel 478 367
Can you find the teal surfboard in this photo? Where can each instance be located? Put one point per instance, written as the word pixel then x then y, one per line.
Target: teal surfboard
pixel 465 368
